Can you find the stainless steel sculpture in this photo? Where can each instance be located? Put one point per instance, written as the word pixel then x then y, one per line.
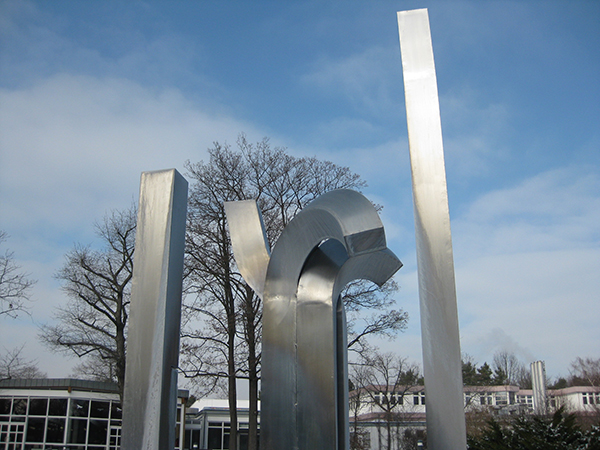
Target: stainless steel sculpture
pixel 335 239
pixel 538 384
pixel 149 405
pixel 437 292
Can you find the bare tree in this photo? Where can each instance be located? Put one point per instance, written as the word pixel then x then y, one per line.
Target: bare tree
pixel 14 366
pixel 585 372
pixel 15 285
pixel 508 369
pixel 222 333
pixel 360 296
pixel 97 282
pixel 96 369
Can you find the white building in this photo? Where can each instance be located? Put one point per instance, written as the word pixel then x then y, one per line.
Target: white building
pixel 379 414
pixel 208 425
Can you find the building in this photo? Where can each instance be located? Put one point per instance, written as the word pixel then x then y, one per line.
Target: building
pixel 381 413
pixel 208 425
pixel 70 414
pixel 65 414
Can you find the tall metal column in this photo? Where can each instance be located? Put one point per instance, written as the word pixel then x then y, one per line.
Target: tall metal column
pixel 150 395
pixel 437 291
pixel 538 382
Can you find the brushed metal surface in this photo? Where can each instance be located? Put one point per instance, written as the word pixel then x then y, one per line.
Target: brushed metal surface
pixel 538 384
pixel 249 242
pixel 437 291
pixel 337 238
pixel 149 404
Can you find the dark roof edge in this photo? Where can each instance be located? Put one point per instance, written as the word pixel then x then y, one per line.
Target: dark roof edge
pixel 60 383
pixel 69 383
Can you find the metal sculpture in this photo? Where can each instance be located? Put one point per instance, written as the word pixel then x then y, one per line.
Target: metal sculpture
pixel 337 238
pixel 437 291
pixel 538 385
pixel 150 394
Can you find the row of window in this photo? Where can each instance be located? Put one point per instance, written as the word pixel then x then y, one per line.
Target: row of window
pixel 217 437
pixel 23 406
pixel 52 423
pixel 485 398
pixel 384 398
pixel 590 398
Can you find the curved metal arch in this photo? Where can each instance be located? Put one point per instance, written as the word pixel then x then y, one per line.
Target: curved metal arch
pixel 337 238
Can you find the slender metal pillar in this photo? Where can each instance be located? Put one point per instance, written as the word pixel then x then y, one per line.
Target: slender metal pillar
pixel 150 395
pixel 437 291
pixel 538 382
pixel 336 239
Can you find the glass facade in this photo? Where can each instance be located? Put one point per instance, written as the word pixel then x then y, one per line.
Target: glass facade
pixel 42 422
pixel 66 414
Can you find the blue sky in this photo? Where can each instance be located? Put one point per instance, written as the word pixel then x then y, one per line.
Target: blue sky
pixel 94 93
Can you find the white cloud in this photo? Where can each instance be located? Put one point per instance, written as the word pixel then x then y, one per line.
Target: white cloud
pixel 369 80
pixel 72 148
pixel 473 129
pixel 545 301
pixel 527 264
pixel 558 209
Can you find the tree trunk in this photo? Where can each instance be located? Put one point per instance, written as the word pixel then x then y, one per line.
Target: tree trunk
pixel 389 432
pixel 120 363
pixel 232 384
pixel 231 332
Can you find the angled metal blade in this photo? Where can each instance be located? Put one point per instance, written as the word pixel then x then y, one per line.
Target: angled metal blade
pixel 249 242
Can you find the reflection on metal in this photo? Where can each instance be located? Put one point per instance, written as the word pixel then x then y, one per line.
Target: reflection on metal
pixel 150 393
pixel 336 239
pixel 249 242
pixel 538 383
pixel 437 292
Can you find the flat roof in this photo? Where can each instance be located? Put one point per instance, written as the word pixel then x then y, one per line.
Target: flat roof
pixel 60 384
pixel 72 383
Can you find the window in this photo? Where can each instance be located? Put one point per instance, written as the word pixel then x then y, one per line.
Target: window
pixel 100 409
pixel 218 435
pixel 501 398
pixel 5 405
pixel 13 434
pixel 57 407
pixel 214 438
pixel 77 431
pixel 589 398
pixel 485 398
pixel 98 431
pixel 35 429
pixel 79 408
pixel 56 430
pixel 116 411
pixel 38 406
pixel 419 398
pixel 115 438
pixel 19 406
